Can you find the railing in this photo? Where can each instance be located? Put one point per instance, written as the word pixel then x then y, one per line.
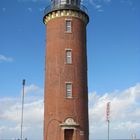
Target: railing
pixel 61 5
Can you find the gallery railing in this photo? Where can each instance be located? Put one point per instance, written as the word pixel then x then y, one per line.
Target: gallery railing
pixel 64 5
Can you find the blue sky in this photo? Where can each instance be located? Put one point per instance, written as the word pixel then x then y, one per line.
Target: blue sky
pixel 113 43
pixel 113 47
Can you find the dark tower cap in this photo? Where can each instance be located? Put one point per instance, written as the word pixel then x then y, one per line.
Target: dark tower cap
pixel 64 5
pixel 66 2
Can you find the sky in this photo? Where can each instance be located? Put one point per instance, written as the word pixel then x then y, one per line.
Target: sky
pixel 113 50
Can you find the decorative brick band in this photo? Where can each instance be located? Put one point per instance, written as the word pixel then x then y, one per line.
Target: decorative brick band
pixel 66 13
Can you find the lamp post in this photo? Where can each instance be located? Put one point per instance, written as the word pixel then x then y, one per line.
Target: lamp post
pixel 22 109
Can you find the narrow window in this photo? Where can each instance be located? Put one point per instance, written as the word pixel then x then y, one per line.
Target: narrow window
pixel 68 90
pixel 68 57
pixel 68 26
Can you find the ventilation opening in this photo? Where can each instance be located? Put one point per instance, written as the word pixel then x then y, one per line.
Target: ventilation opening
pixel 68 134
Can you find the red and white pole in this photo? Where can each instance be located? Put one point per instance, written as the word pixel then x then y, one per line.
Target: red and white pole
pixel 108 117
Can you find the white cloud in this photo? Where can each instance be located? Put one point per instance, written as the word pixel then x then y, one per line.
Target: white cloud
pixel 41 9
pixel 33 89
pixel 10 116
pixel 4 58
pixel 128 2
pixel 125 114
pixel 30 9
pixel 98 5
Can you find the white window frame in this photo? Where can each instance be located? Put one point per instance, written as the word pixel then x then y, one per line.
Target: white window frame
pixel 68 55
pixel 68 89
pixel 68 26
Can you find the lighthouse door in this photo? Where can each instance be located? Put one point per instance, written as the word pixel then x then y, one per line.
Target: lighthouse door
pixel 68 134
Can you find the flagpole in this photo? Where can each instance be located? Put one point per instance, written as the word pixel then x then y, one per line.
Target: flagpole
pixel 22 109
pixel 108 129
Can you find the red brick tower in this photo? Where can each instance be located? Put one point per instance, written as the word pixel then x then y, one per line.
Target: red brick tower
pixel 66 93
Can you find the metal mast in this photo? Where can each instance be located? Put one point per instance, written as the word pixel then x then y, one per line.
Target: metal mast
pixel 22 109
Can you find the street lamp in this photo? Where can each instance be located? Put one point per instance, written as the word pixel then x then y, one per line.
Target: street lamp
pixel 22 109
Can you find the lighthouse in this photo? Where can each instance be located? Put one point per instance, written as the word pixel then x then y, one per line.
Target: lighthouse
pixel 66 91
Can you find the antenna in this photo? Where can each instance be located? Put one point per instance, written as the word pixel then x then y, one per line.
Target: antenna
pixel 108 116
